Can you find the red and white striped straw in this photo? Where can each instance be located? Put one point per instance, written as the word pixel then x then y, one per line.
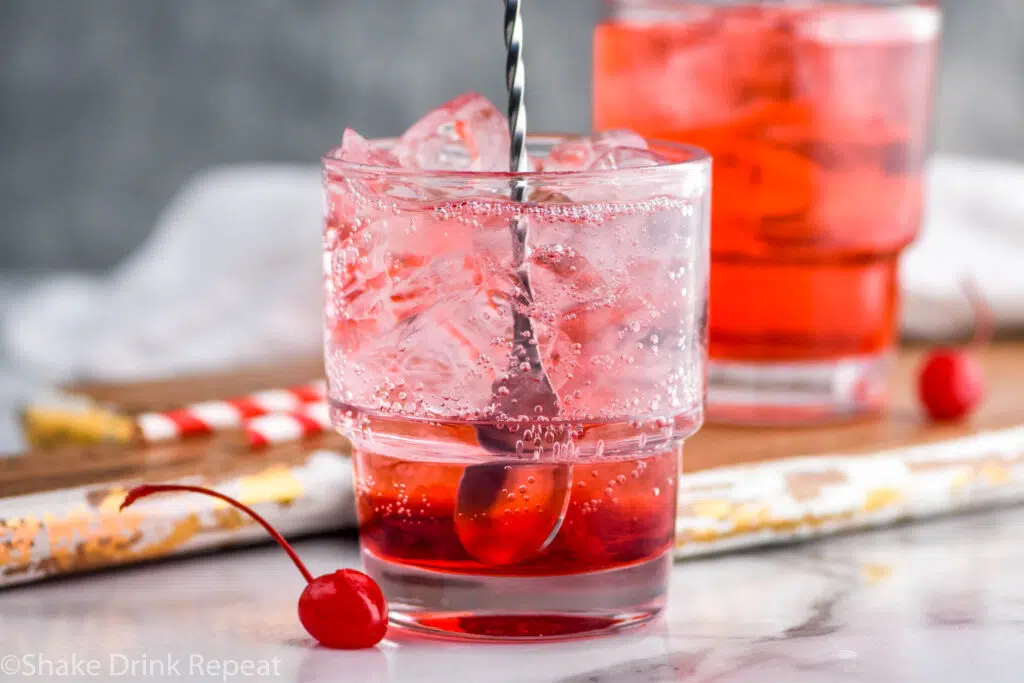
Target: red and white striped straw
pixel 311 419
pixel 212 416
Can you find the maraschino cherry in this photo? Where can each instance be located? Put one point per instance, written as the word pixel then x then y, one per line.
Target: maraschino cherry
pixel 344 609
pixel 951 382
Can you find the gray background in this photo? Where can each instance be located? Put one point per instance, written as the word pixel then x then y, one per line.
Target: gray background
pixel 107 106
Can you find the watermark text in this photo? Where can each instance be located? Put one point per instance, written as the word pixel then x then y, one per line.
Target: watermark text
pixel 138 666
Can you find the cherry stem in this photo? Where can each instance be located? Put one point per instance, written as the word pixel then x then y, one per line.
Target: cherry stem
pixel 149 489
pixel 984 320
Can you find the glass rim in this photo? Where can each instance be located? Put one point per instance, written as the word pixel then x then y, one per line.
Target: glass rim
pixel 692 157
pixel 725 3
pixel 652 12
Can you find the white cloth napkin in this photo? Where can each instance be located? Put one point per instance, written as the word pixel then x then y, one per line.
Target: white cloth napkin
pixel 231 275
pixel 974 230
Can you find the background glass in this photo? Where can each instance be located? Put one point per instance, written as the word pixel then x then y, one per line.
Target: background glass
pixel 567 528
pixel 817 115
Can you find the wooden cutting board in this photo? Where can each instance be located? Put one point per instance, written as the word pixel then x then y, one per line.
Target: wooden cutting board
pixel 746 486
pixel 715 445
pixel 902 425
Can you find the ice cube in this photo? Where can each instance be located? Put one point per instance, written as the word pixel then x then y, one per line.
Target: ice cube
pixel 357 150
pixel 439 361
pixel 608 296
pixel 867 74
pixel 465 134
pixel 580 153
pixel 423 301
pixel 701 92
pixel 563 276
pixel 626 157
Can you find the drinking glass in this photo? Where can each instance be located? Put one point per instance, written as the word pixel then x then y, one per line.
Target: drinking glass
pixel 817 115
pixel 566 527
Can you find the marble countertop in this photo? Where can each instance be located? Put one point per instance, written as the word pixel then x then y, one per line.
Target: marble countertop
pixel 939 602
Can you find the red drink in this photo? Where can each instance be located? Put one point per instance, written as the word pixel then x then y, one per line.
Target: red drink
pixel 620 512
pixel 483 509
pixel 816 115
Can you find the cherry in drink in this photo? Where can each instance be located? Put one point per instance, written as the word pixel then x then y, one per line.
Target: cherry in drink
pixel 564 526
pixel 817 116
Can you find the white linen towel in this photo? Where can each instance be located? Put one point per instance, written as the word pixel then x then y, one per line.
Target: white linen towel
pixel 974 230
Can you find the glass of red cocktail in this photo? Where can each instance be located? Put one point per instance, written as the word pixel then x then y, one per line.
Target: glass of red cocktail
pixel 817 115
pixel 480 516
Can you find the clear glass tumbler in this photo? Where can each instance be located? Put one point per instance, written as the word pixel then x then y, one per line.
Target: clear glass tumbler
pixel 482 520
pixel 817 114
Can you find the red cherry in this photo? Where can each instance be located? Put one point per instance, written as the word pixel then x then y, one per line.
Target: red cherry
pixel 345 609
pixel 951 384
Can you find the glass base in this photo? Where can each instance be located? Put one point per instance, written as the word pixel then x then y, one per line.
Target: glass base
pixel 521 608
pixel 773 393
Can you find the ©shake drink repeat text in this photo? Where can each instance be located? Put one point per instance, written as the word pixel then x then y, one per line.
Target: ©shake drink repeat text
pixel 137 666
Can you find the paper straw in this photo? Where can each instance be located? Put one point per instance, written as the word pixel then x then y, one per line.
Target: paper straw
pixel 208 417
pixel 295 425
